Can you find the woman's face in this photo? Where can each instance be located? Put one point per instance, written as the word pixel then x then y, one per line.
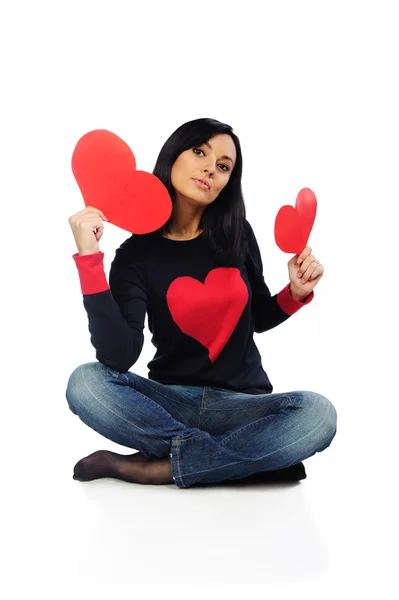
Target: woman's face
pixel 212 163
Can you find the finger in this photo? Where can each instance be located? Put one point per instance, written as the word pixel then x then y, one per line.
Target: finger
pixel 318 272
pixel 91 221
pixel 100 212
pixel 304 254
pixel 312 272
pixel 315 277
pixel 94 224
pixel 90 217
pixel 96 227
pixel 96 210
pixel 306 264
pixel 293 261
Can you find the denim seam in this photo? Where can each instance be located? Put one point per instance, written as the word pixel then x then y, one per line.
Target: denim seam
pixel 193 437
pixel 178 461
pixel 203 405
pixel 177 454
pixel 253 423
pixel 320 423
pixel 157 391
pixel 157 406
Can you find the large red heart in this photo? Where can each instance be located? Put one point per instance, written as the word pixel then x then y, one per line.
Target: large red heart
pixel 105 169
pixel 209 311
pixel 293 225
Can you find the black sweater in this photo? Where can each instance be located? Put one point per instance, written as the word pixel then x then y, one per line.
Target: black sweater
pixel 202 317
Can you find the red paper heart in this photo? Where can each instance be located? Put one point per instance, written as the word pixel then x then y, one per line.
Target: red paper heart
pixel 105 169
pixel 293 225
pixel 209 311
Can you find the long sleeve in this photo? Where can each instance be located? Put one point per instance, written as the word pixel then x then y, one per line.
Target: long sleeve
pixel 268 311
pixel 116 312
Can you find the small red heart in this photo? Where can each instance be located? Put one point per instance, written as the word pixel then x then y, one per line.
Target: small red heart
pixel 105 170
pixel 293 225
pixel 209 311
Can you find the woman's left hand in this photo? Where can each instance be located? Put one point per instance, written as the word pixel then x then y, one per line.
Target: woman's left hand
pixel 305 272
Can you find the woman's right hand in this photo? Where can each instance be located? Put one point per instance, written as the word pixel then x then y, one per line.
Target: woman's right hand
pixel 87 228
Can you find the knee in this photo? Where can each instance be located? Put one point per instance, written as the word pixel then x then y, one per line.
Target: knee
pixel 326 416
pixel 78 385
pixel 321 417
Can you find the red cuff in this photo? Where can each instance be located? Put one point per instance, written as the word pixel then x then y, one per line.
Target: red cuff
pixel 91 272
pixel 288 304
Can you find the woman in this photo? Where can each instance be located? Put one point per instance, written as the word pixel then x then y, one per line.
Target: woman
pixel 206 413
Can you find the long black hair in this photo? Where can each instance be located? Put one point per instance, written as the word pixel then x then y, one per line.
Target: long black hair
pixel 223 220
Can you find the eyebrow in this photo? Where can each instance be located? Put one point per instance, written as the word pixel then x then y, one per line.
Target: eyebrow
pixel 224 156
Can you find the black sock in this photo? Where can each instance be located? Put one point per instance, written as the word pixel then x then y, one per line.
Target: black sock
pixel 293 473
pixel 289 474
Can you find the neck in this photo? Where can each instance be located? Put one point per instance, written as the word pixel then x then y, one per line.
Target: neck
pixel 186 218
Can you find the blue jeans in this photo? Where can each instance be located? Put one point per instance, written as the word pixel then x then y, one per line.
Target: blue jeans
pixel 211 434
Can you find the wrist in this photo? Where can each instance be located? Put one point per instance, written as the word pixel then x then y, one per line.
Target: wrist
pixel 83 252
pixel 297 294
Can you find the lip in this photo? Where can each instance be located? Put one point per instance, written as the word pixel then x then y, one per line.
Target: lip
pixel 202 183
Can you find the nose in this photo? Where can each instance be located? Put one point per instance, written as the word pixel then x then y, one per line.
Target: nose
pixel 209 167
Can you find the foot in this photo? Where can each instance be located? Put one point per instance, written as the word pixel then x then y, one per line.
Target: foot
pixel 289 474
pixel 135 468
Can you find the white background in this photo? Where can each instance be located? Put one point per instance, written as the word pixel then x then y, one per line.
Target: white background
pixel 311 90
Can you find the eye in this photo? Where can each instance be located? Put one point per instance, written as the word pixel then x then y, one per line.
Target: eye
pixel 225 168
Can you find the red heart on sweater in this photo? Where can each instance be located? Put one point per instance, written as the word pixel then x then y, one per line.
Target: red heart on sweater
pixel 293 225
pixel 105 169
pixel 209 311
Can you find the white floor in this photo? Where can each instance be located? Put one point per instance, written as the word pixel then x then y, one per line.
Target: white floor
pixel 333 533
